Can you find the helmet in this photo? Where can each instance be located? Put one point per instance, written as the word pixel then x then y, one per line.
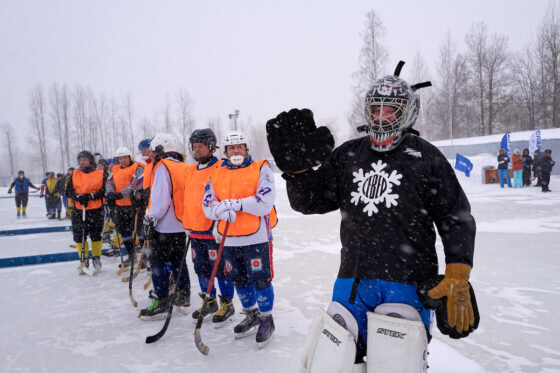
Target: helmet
pixel 167 142
pixel 122 152
pixel 86 154
pixel 21 172
pixel 206 136
pixel 394 92
pixel 144 144
pixel 235 138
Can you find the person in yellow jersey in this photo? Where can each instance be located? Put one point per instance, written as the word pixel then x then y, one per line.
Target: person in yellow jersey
pixel 242 192
pixel 163 227
pixel 52 196
pixel 203 243
pixel 124 180
pixel 87 188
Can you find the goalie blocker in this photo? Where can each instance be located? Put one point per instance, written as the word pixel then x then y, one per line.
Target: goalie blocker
pixel 397 341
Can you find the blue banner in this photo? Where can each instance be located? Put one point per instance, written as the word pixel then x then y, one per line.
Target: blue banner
pixel 506 145
pixel 463 164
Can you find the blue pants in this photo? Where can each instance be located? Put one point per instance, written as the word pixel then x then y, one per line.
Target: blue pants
pixel 518 179
pixel 250 270
pixel 503 175
pixel 371 293
pixel 168 248
pixel 204 253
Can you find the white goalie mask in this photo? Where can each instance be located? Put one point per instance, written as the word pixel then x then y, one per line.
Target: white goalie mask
pixel 236 138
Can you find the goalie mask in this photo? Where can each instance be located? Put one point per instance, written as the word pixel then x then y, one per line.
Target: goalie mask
pixel 391 108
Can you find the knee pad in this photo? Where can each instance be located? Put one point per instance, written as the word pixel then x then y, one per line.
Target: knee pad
pixel 331 343
pixel 397 340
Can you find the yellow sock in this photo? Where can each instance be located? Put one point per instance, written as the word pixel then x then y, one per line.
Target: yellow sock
pixel 117 240
pixel 24 208
pixel 96 248
pixel 19 210
pixel 79 248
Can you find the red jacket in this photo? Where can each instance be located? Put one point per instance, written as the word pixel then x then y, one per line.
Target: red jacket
pixel 517 162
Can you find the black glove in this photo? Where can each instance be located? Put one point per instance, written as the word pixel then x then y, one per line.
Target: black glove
pixel 83 199
pixel 149 227
pixel 111 198
pixel 9 191
pixel 296 143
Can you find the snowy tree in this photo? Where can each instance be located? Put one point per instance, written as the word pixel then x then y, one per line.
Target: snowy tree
pixel 38 122
pixel 373 56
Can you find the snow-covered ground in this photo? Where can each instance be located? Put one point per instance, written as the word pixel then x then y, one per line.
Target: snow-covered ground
pixel 56 321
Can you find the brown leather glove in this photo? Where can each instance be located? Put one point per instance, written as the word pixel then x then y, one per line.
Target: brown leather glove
pixel 455 286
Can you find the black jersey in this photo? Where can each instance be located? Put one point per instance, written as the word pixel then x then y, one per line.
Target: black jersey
pixel 389 203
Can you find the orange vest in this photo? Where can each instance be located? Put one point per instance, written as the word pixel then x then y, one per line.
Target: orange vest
pixel 88 183
pixel 147 175
pixel 122 177
pixel 177 172
pixel 195 182
pixel 240 183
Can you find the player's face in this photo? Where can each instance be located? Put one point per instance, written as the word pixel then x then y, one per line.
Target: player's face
pixel 384 115
pixel 124 161
pixel 84 163
pixel 200 150
pixel 238 149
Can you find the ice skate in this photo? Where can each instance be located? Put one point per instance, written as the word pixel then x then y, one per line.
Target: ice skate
pixel 97 263
pixel 155 311
pixel 225 314
pixel 183 300
pixel 248 326
pixel 266 330
pixel 211 309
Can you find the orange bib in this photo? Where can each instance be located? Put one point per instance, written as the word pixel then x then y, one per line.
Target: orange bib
pixel 240 183
pixel 177 172
pixel 88 183
pixel 196 180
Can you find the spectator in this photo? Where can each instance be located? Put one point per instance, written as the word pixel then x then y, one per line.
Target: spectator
pixel 503 173
pixel 546 168
pixel 537 166
pixel 527 162
pixel 517 167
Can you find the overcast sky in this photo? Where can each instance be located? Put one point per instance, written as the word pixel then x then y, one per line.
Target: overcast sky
pixel 260 57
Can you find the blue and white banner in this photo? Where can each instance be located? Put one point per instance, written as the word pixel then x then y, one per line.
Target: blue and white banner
pixel 535 142
pixel 506 144
pixel 463 164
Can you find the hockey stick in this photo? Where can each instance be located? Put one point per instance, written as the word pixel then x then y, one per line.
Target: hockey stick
pixel 197 337
pixel 148 283
pixel 132 300
pixel 139 266
pixel 83 253
pixel 157 337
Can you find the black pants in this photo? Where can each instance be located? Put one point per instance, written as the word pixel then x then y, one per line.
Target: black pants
pixel 526 177
pixel 21 199
pixel 545 180
pixel 168 248
pixel 93 226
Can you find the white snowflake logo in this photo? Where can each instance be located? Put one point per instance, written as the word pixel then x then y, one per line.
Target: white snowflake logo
pixel 375 187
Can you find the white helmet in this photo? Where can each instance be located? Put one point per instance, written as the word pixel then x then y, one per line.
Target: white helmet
pixel 235 137
pixel 167 141
pixel 123 152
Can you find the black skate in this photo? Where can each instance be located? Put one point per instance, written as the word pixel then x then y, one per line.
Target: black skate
pixel 97 263
pixel 24 215
pixel 266 330
pixel 248 326
pixel 211 309
pixel 155 311
pixel 18 215
pixel 225 314
pixel 183 300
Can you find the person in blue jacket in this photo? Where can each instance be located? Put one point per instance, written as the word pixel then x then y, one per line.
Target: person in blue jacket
pixel 503 172
pixel 21 185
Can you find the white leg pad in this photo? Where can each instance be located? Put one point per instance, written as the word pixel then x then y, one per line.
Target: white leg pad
pixel 397 340
pixel 330 347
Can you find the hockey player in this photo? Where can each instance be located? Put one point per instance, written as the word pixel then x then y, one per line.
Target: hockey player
pixel 163 226
pixel 120 185
pixel 203 244
pixel 241 192
pixel 52 196
pixel 22 185
pixel 391 187
pixel 87 188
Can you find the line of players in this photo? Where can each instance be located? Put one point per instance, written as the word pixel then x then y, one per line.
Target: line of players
pixel 195 200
